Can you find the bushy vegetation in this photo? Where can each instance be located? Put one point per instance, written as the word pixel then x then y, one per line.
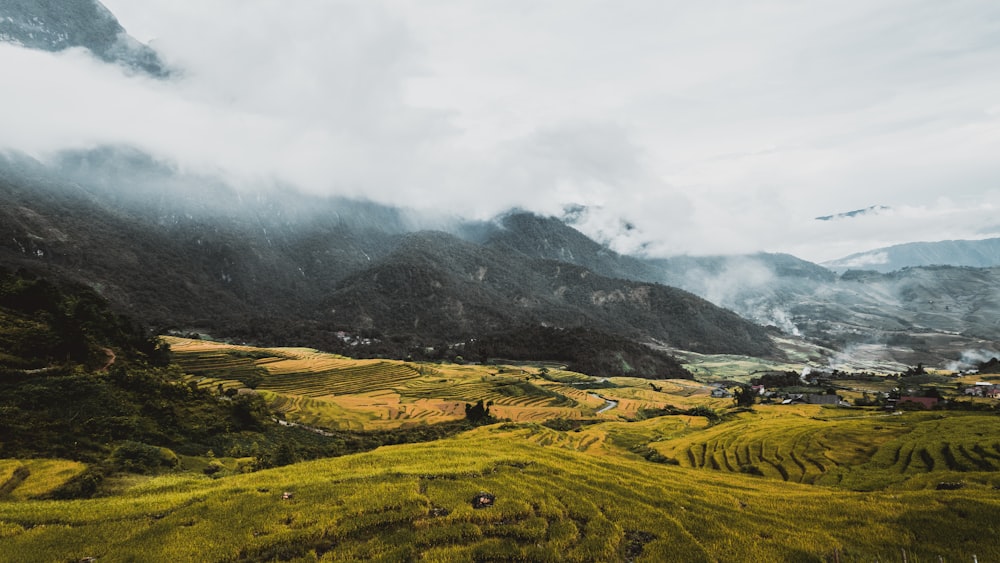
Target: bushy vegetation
pixel 44 325
pixel 584 350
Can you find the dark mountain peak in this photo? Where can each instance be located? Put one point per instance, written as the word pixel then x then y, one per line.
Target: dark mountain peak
pixel 436 284
pixel 549 238
pixel 545 237
pixel 56 25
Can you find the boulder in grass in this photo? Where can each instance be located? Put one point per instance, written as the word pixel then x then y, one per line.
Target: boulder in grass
pixel 483 500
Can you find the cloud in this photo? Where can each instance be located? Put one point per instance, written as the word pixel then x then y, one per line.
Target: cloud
pixel 683 127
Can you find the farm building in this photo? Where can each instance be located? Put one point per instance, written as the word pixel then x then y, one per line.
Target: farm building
pixel 720 393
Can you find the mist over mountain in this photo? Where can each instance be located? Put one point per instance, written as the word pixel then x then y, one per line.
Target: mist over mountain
pixel 55 25
pixel 189 253
pixel 975 253
pixel 925 314
pixel 131 229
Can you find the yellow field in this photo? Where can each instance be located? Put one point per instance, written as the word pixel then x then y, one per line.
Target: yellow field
pixel 330 391
pixel 22 480
pixel 553 503
pixel 778 483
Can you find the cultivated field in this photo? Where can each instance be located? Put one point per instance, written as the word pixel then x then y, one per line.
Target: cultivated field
pixel 330 391
pixel 552 504
pixel 581 470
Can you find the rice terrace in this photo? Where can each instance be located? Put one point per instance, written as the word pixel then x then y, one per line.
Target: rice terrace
pixel 581 469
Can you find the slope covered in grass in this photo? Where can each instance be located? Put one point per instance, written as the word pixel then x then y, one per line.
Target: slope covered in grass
pixel 413 502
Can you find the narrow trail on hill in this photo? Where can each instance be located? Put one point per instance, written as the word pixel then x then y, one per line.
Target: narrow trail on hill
pixel 608 403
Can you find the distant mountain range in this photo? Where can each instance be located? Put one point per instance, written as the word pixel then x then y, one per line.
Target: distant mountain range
pixel 191 254
pixel 188 254
pixel 975 253
pixel 55 25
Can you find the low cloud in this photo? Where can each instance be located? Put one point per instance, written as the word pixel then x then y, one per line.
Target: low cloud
pixel 682 128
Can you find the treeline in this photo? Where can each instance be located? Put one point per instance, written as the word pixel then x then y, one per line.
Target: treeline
pixel 42 324
pixel 583 350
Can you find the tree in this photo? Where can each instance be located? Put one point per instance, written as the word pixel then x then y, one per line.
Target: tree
pixel 744 396
pixel 478 414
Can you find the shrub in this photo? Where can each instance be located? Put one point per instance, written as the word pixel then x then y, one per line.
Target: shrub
pixel 137 457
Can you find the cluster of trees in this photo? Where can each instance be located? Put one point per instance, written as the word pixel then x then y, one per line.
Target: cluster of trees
pixel 583 350
pixel 42 324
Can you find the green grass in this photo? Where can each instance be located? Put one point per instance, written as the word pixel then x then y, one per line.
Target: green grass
pixel 863 453
pixel 553 503
pixel 27 479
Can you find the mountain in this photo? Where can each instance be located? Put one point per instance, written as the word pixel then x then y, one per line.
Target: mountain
pixel 550 238
pixel 189 253
pixel 438 283
pixel 183 251
pixel 926 314
pixel 975 253
pixel 929 314
pixel 55 25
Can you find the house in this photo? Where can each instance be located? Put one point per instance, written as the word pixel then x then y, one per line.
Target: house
pixel 926 402
pixel 721 393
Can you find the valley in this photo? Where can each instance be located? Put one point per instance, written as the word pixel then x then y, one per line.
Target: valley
pixel 671 473
pixel 401 282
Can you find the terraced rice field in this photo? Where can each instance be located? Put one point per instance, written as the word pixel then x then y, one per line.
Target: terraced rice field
pixel 324 380
pixel 553 503
pixel 26 479
pixel 792 448
pixel 853 452
pixel 958 444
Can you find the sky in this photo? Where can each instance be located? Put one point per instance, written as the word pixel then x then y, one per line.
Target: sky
pixel 715 127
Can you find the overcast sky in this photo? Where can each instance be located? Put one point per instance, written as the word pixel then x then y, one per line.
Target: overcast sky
pixel 708 127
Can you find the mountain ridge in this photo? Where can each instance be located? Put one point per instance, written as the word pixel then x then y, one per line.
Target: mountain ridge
pixel 299 270
pixel 56 25
pixel 982 253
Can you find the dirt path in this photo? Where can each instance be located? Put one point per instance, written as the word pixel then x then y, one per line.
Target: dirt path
pixel 608 403
pixel 111 359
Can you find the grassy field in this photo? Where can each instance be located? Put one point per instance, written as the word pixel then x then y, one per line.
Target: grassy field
pixel 553 503
pixel 775 483
pixel 28 479
pixel 330 391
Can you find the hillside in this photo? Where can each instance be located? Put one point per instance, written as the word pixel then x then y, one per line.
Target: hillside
pixel 286 268
pixel 552 503
pixel 973 253
pixel 439 284
pixel 179 463
pixel 211 259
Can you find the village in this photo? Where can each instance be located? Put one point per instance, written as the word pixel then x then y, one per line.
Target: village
pixel 915 389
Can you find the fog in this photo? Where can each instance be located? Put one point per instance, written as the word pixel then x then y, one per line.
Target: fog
pixel 669 127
